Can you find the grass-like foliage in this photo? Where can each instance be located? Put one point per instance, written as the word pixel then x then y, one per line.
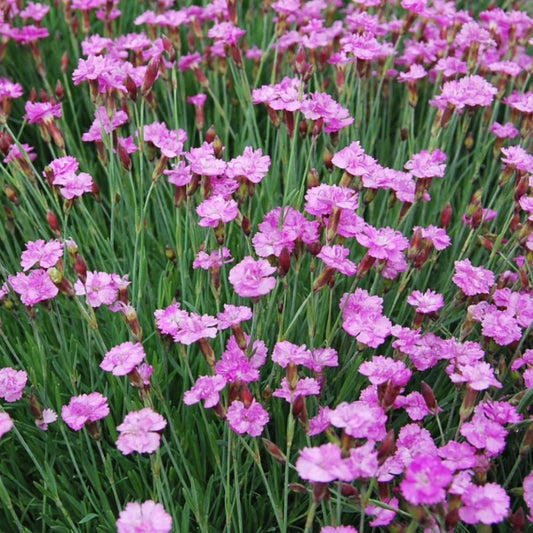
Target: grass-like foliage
pixel 266 266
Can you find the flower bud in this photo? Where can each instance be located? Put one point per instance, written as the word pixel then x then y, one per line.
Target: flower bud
pixel 274 451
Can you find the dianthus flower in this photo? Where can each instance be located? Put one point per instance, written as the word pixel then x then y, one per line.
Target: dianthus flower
pixel 304 387
pixel 383 517
pixel 485 504
pixel 213 260
pixel 360 419
pixel 42 112
pixel 216 210
pixel 427 302
pixel 503 131
pixel 170 142
pixel 252 278
pixel 479 375
pixel 286 352
pixel 437 236
pixel 250 420
pixel 425 481
pixel 99 287
pixel 122 359
pixel 382 369
pixel 12 383
pixel 322 106
pixel 322 464
pixel 34 287
pixel 233 315
pixel 338 529
pixel 518 158
pixel 382 243
pixel 414 404
pixel 194 327
pixel 484 433
pixel 362 317
pixel 84 408
pixel 501 326
pixel 413 441
pixel 472 280
pixel 522 102
pixel 469 91
pixel 140 431
pixel 336 257
pixel 6 424
pixel 206 388
pixel 169 319
pixel 234 366
pixel 252 165
pixel 321 357
pixel 527 484
pixel 426 164
pixel 103 123
pixel 458 455
pixel 203 162
pixel 46 254
pixel 321 200
pixel 146 517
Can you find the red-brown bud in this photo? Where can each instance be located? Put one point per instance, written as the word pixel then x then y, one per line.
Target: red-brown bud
pixel 53 222
pixel 274 451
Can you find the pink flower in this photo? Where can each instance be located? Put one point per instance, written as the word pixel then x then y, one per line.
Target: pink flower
pixel 12 383
pixel 233 315
pixel 250 420
pixel 146 517
pixel 215 259
pixel 504 131
pixel 383 516
pixel 286 352
pixel 194 327
pixel 472 280
pixel 251 278
pixel 486 504
pixel 528 493
pixel 99 287
pixel 427 302
pixel 383 369
pixel 206 388
pixel 46 254
pixel 427 165
pixel 469 91
pixel 484 433
pixel 414 404
pixel 47 417
pixel 336 256
pixel 425 481
pixel 458 455
pixel 122 359
pixel 252 165
pixel 360 419
pixel 84 408
pixel 234 365
pixel 169 319
pixel 304 387
pixel 103 123
pixel 321 200
pixel 216 210
pixel 322 464
pixel 479 375
pixel 338 529
pixel 42 112
pixel 34 287
pixel 140 431
pixel 382 243
pixel 6 424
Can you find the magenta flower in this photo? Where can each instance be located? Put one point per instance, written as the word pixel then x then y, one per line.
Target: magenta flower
pixel 170 142
pixel 122 359
pixel 12 383
pixel 233 315
pixel 458 455
pixel 485 504
pixel 504 131
pixel 382 243
pixel 360 419
pixel 322 357
pixel 206 388
pixel 215 259
pixel 102 123
pixel 252 278
pixel 34 287
pixel 84 408
pixel 194 327
pixel 383 517
pixel 286 352
pixel 527 484
pixel 472 280
pixel 146 517
pixel 234 365
pixel 426 302
pixel 203 162
pixel 479 375
pixel 321 200
pixel 6 424
pixel 338 529
pixel 169 319
pixel 140 431
pixel 304 387
pixel 250 420
pixel 216 210
pixel 483 433
pixel 425 481
pixel 414 404
pixel 45 254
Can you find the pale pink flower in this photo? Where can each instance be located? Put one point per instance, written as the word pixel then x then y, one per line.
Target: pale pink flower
pixel 321 200
pixel 479 375
pixel 320 422
pixel 426 164
pixel 472 280
pixel 252 165
pixel 485 504
pixel 6 424
pixel 146 517
pixel 140 431
pixel 122 359
pixel 103 123
pixel 169 319
pixel 427 302
pixel 383 517
pixel 504 131
pixel 336 256
pixel 48 416
pixel 286 352
pixel 469 91
pixel 527 484
pixel 194 327
pixel 42 112
pixel 45 254
pixel 252 278
pixel 84 408
pixel 215 259
pixel 250 420
pixel 99 288
pixel 233 315
pixel 34 287
pixel 360 419
pixel 382 369
pixel 322 357
pixel 322 464
pixel 206 388
pixel 216 210
pixel 458 455
pixel 12 383
pixel 304 387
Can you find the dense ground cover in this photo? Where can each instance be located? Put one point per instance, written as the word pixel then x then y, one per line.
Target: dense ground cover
pixel 266 266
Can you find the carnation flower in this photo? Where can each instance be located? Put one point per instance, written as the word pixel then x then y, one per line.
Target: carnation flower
pixel 250 420
pixel 472 280
pixel 251 278
pixel 84 408
pixel 206 388
pixel 12 383
pixel 427 302
pixel 6 424
pixel 140 431
pixel 485 504
pixel 146 517
pixel 46 254
pixel 34 287
pixel 122 359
